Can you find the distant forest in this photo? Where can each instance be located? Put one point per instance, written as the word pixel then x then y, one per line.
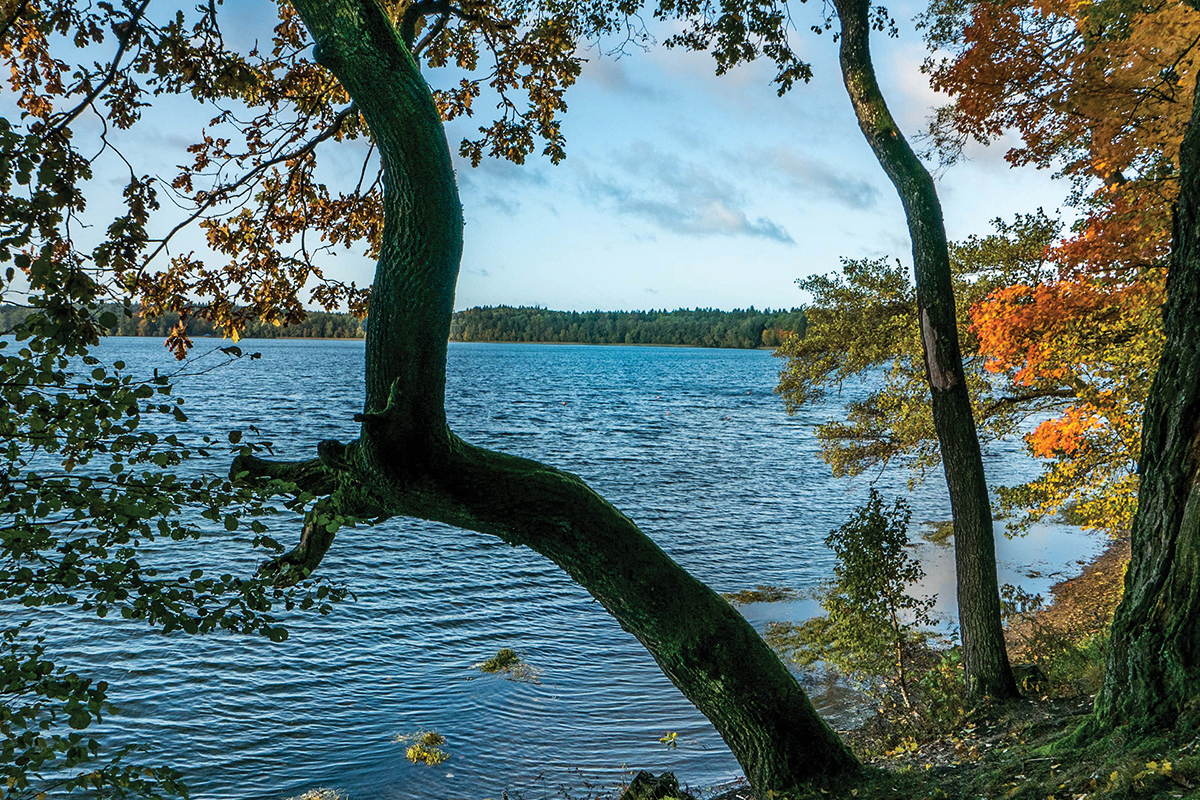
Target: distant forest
pixel 319 325
pixel 702 327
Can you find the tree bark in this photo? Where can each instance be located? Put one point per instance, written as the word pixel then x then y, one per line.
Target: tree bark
pixel 408 463
pixel 1153 676
pixel 985 659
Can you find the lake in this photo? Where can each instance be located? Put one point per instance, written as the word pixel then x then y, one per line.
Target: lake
pixel 690 443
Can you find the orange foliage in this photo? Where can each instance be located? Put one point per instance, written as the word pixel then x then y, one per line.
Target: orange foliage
pixel 1048 332
pixel 1064 435
pixel 1102 91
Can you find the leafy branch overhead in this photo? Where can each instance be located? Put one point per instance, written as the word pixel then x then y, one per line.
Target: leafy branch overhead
pixel 93 468
pixel 255 181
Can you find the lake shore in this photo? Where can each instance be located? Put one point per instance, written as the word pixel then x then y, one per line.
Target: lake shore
pixel 1078 607
pixel 207 337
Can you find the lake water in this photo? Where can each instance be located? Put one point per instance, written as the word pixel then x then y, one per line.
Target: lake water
pixel 692 444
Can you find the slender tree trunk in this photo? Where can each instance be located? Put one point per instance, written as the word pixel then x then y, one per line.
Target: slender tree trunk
pixel 407 462
pixel 1153 677
pixel 901 673
pixel 985 659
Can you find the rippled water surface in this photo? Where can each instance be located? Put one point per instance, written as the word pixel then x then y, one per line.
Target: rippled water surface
pixel 691 443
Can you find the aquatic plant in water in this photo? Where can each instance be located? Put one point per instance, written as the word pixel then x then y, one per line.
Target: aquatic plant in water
pixel 508 663
pixel 426 747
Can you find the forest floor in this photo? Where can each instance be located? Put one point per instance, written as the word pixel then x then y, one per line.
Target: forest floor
pixel 1022 750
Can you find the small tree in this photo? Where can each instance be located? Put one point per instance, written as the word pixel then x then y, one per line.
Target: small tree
pixel 872 626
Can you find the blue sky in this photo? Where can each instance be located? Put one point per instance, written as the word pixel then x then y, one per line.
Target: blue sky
pixel 683 189
pixel 680 189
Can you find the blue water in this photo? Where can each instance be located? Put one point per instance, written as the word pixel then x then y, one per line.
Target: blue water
pixel 692 444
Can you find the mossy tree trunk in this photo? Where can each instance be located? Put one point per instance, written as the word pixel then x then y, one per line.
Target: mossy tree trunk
pixel 407 462
pixel 985 659
pixel 1153 677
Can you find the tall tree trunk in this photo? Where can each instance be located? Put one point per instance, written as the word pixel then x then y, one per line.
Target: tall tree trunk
pixel 985 659
pixel 1153 677
pixel 408 463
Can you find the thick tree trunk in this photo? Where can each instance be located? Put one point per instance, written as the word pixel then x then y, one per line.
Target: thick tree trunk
pixel 1153 677
pixel 407 462
pixel 985 659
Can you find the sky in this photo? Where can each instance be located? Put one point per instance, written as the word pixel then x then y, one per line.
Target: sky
pixel 682 189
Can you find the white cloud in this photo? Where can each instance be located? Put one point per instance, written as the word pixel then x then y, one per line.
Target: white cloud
pixel 679 195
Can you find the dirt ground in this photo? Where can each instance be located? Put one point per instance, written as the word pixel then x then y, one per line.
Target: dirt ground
pixel 1080 605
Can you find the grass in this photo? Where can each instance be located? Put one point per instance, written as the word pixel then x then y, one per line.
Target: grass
pixel 1028 761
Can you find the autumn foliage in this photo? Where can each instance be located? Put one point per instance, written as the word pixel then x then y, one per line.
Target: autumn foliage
pixel 1100 91
pixel 271 212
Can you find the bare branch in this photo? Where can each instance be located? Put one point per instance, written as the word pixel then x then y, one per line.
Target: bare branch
pixel 1015 400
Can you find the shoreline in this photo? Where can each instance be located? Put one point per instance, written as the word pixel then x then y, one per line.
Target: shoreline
pixel 1080 605
pixel 452 341
pixel 1077 606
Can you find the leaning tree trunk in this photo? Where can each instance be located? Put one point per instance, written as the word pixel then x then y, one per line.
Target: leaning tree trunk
pixel 1153 677
pixel 985 659
pixel 408 463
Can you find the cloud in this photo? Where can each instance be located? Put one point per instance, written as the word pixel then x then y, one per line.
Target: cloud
pixel 611 74
pixel 813 177
pixel 504 205
pixel 680 196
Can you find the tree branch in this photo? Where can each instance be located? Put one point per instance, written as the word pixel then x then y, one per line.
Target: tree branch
pixel 414 12
pixel 314 476
pixel 125 33
pixel 220 194
pixel 11 19
pixel 1017 399
pixel 315 541
pixel 434 32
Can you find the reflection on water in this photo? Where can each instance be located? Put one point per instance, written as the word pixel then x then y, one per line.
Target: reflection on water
pixel 692 444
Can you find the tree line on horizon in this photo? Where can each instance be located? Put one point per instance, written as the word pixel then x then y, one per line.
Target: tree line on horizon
pixel 701 327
